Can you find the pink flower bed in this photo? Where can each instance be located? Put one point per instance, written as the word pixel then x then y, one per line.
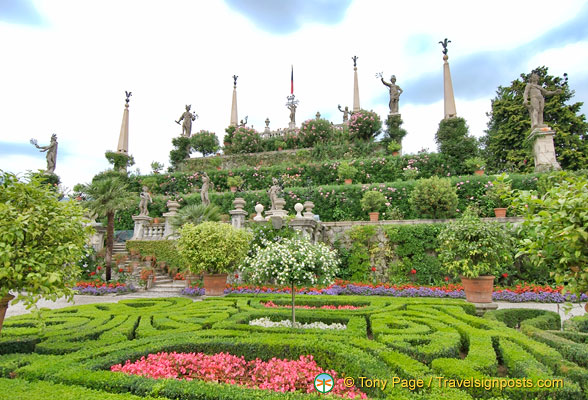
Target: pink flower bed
pixel 271 304
pixel 275 374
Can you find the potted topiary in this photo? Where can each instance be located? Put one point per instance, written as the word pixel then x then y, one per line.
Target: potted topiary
pixel 215 162
pixel 234 182
pixel 372 202
pixel 346 172
pixel 475 165
pixel 215 249
pixel 499 193
pixel 394 148
pixel 476 251
pixel 280 144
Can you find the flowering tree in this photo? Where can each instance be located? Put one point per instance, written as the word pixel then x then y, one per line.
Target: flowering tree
pixel 364 125
pixel 293 261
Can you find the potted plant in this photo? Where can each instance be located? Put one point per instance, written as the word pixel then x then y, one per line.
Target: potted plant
pixel 234 182
pixel 280 144
pixel 346 172
pixel 215 249
pixel 394 148
pixel 372 202
pixel 475 165
pixel 215 162
pixel 476 251
pixel 499 194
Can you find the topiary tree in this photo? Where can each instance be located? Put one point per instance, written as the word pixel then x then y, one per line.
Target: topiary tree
pixel 454 142
pixel 41 239
pixel 434 198
pixel 315 131
pixel 505 140
pixel 293 261
pixel 213 247
pixel 119 161
pixel 204 142
pixel 364 125
pixel 373 201
pixel 394 132
pixel 556 226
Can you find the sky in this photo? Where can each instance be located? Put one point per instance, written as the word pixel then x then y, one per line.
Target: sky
pixel 66 65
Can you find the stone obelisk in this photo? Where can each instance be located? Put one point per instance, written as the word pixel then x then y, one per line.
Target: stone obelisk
pixel 448 99
pixel 355 85
pixel 123 139
pixel 234 117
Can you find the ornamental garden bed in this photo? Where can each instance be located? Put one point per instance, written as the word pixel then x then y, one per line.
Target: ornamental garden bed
pixel 386 337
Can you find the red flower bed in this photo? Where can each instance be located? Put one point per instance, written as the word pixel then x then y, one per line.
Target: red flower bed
pixel 271 304
pixel 276 374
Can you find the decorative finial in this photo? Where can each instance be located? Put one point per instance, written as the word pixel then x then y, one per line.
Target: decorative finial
pixel 235 80
pixel 128 94
pixel 444 44
pixel 354 58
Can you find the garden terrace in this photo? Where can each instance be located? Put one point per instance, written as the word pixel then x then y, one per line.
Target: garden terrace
pixel 385 338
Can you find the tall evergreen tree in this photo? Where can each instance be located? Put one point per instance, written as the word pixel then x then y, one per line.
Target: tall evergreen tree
pixel 454 142
pixel 505 144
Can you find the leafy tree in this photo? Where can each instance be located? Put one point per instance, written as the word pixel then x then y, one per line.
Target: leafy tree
pixel 41 239
pixel 180 152
pixel 434 198
pixel 105 196
pixel 119 161
pixel 315 131
pixel 454 142
pixel 510 124
pixel 204 142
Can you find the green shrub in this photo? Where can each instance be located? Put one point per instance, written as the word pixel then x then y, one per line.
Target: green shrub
pixel 235 181
pixel 434 198
pixel 243 140
pixel 213 247
pixel 364 125
pixel 373 201
pixel 471 247
pixel 474 164
pixel 454 142
pixel 204 142
pixel 346 171
pixel 315 131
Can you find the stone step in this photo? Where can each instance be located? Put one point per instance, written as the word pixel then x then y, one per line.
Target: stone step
pixel 174 291
pixel 171 284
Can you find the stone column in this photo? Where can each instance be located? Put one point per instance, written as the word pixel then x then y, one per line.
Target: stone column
pixel 234 118
pixel 355 91
pixel 238 214
pixel 141 221
pixel 123 139
pixel 448 99
pixel 168 231
pixel 544 149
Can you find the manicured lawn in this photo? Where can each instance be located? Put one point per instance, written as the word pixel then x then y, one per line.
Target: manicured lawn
pixel 385 338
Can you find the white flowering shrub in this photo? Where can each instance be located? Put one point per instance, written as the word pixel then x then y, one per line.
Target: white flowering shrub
pixel 267 323
pixel 292 261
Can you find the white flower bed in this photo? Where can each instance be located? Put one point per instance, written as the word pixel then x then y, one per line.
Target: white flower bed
pixel 267 323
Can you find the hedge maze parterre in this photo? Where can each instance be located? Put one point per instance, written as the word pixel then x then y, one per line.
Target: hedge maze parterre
pixel 441 342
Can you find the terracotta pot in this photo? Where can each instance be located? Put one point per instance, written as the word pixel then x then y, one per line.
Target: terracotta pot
pixel 478 290
pixel 348 181
pixel 395 153
pixel 500 212
pixel 374 216
pixel 219 168
pixel 279 149
pixel 233 189
pixel 3 306
pixel 156 220
pixel 479 172
pixel 214 284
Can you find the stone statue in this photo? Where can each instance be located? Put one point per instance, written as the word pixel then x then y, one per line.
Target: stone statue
pixel 318 115
pixel 535 92
pixel 395 93
pixel 187 117
pixel 204 189
pixel 273 192
pixel 267 122
pixel 292 108
pixel 244 122
pixel 51 150
pixel 345 113
pixel 145 200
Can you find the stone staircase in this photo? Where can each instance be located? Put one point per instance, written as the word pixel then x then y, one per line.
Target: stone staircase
pixel 162 284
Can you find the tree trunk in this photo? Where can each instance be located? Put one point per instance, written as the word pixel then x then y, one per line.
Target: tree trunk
pixel 293 308
pixel 109 243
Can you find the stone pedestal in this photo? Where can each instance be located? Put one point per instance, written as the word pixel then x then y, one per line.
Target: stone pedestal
pixel 279 211
pixel 306 227
pixel 481 308
pixel 259 213
pixel 308 206
pixel 292 125
pixel 544 149
pixel 97 239
pixel 168 231
pixel 238 214
pixel 141 221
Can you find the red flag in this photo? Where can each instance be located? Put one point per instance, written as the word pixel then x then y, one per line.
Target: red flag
pixel 292 81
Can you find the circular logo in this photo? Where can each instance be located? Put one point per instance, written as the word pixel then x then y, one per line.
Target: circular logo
pixel 324 383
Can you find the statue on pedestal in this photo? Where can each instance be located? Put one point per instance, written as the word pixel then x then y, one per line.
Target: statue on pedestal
pixel 345 113
pixel 273 192
pixel 395 93
pixel 144 203
pixel 204 189
pixel 51 150
pixel 244 122
pixel 535 93
pixel 292 108
pixel 187 117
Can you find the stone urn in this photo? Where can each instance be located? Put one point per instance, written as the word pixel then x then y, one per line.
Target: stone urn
pixel 478 290
pixel 214 284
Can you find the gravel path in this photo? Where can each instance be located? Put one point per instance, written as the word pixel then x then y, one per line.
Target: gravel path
pixel 18 309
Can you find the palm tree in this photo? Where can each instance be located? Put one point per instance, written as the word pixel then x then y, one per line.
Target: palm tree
pixel 105 197
pixel 196 214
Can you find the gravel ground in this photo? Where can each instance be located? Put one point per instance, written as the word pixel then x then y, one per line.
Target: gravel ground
pixel 18 309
